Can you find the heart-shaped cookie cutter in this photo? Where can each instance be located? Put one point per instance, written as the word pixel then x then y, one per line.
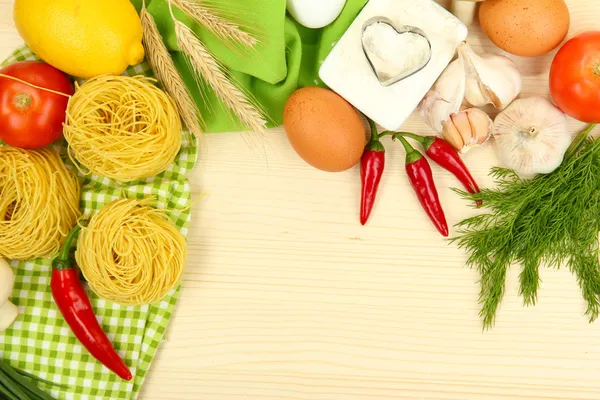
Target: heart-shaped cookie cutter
pixel 402 30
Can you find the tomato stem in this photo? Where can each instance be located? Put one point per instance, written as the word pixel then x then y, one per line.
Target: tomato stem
pixel 22 101
pixel 597 68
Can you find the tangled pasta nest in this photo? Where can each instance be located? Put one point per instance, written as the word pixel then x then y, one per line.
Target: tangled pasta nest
pixel 39 202
pixel 131 253
pixel 122 127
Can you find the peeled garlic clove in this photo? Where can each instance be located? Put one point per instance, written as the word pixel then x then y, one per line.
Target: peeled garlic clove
pixel 531 136
pixel 463 126
pixel 452 136
pixel 446 96
pixel 481 125
pixel 467 128
pixel 490 79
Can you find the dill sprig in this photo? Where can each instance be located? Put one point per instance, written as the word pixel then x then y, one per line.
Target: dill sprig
pixel 552 220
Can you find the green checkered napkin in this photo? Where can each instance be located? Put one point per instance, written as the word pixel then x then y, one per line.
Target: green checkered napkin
pixel 41 343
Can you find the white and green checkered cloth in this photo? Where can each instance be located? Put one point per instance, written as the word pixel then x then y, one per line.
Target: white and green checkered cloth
pixel 41 343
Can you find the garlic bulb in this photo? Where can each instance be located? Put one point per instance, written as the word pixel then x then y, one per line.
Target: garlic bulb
pixel 531 136
pixel 467 128
pixel 473 80
pixel 446 96
pixel 491 79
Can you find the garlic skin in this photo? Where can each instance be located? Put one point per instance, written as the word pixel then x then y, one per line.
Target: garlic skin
pixel 472 80
pixel 490 79
pixel 467 129
pixel 446 96
pixel 8 311
pixel 531 136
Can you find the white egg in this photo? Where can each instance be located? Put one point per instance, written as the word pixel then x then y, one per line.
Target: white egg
pixel 315 13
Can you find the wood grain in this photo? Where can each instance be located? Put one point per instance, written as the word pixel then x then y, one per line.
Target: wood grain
pixel 287 297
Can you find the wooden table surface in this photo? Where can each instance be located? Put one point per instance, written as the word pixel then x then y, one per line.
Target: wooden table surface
pixel 287 297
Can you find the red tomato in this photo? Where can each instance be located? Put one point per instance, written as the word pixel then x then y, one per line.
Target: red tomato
pixel 29 117
pixel 575 77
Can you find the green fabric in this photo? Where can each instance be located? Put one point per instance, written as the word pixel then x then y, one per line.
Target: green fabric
pixel 288 56
pixel 41 343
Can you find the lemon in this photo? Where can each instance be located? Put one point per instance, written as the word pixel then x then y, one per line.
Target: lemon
pixel 83 38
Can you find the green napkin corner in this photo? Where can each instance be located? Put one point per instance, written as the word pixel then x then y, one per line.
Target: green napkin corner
pixel 287 57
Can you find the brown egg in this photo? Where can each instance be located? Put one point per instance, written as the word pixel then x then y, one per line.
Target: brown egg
pixel 324 129
pixel 525 27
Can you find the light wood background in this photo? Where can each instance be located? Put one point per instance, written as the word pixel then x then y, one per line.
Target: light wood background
pixel 287 297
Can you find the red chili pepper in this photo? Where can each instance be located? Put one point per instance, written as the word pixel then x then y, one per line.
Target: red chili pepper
pixel 75 306
pixel 372 164
pixel 421 178
pixel 443 154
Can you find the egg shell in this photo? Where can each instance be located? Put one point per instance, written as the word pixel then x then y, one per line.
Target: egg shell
pixel 525 27
pixel 324 129
pixel 315 13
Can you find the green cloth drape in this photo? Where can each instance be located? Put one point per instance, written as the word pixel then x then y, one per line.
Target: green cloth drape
pixel 287 57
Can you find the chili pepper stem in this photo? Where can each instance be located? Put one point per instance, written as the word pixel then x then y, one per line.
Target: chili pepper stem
pixel 407 147
pixel 62 260
pixel 374 143
pixel 395 134
pixel 412 155
pixel 373 126
pixel 411 135
pixel 424 141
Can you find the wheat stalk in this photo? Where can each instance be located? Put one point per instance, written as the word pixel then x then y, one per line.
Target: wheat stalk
pixel 225 30
pixel 160 60
pixel 205 65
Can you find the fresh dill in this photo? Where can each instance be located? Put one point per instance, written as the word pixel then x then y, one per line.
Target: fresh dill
pixel 552 220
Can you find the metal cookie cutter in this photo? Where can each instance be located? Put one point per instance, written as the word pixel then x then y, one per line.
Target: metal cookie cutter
pixel 384 79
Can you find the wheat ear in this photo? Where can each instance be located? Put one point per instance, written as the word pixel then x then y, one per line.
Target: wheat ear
pixel 222 28
pixel 206 66
pixel 160 60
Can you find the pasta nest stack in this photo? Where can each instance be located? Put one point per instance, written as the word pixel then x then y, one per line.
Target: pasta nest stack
pixel 122 127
